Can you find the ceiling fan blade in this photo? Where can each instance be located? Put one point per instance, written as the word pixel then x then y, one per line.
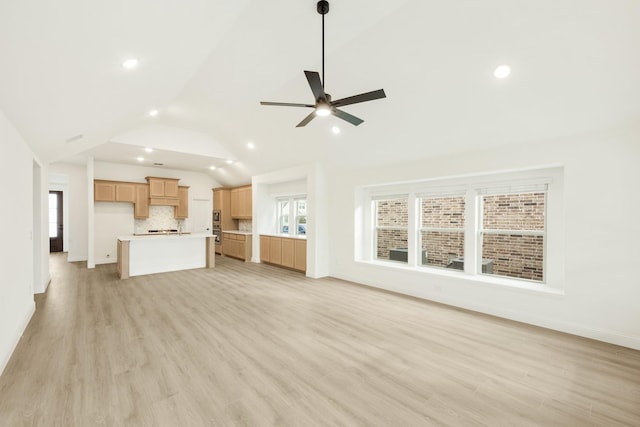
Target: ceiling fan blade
pixel 286 104
pixel 316 84
pixel 363 97
pixel 306 119
pixel 346 116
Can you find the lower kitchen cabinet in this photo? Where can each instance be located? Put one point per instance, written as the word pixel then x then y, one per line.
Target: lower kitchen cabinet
pixel 236 245
pixel 284 251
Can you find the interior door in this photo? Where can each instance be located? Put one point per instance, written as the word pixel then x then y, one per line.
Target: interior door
pixel 55 221
pixel 200 215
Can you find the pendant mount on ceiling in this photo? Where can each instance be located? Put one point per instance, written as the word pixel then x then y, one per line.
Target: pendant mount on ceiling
pixel 323 105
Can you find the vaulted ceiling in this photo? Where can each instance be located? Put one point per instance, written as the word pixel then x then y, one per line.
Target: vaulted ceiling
pixel 206 65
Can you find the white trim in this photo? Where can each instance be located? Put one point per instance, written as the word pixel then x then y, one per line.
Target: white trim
pixel 474 187
pixel 22 326
pixel 599 334
pixel 510 232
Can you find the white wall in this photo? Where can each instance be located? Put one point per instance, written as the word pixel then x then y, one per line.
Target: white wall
pixel 114 219
pixel 17 250
pixel 111 220
pixel 601 236
pixel 75 202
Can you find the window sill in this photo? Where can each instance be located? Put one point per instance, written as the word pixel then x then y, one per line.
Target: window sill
pixel 502 282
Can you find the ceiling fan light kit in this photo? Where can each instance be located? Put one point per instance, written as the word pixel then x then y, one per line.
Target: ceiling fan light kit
pixel 323 105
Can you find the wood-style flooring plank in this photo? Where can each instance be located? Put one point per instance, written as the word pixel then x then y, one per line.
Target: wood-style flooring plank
pixel 254 345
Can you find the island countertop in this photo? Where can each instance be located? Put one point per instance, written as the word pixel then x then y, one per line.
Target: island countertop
pixel 149 254
pixel 243 233
pixel 165 236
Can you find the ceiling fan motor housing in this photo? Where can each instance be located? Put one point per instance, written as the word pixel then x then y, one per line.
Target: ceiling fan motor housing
pixel 323 7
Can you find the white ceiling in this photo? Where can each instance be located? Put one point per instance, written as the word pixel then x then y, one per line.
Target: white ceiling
pixel 206 64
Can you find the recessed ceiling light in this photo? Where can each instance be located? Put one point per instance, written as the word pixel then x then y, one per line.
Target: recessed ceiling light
pixel 140 159
pixel 212 168
pixel 335 130
pixel 130 63
pixel 229 162
pixel 502 71
pixel 250 145
pixel 149 150
pixel 153 113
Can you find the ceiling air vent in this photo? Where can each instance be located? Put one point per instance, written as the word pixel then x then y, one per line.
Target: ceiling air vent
pixel 78 137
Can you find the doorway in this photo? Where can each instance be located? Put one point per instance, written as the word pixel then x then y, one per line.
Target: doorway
pixel 56 227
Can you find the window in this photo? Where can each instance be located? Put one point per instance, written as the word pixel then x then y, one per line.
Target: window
pixel 283 216
pixel 442 231
pixel 296 208
pixel 512 234
pixel 53 215
pixel 483 226
pixel 391 230
pixel 301 216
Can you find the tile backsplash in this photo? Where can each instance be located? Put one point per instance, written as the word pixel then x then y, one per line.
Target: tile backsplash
pixel 160 218
pixel 245 225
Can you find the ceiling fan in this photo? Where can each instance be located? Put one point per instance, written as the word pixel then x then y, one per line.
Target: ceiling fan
pixel 323 105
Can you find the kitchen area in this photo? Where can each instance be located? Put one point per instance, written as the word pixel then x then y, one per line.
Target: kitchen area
pixel 154 231
pixel 232 221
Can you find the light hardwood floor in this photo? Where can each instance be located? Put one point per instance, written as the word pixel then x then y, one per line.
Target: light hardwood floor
pixel 246 344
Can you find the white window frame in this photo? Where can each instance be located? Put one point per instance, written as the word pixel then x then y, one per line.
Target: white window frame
pixel 386 227
pixel 421 229
pixel 293 214
pixel 542 188
pixel 549 179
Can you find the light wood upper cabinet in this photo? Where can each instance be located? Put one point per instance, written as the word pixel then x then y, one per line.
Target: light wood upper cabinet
pixel 182 210
pixel 104 191
pixel 163 191
pixel 125 192
pixel 241 202
pixel 114 191
pixel 141 206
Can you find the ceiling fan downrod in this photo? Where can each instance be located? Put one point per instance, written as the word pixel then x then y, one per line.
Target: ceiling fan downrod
pixel 323 9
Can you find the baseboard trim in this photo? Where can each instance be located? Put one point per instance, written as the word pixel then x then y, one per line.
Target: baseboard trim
pixel 22 326
pixel 106 261
pixel 76 258
pixel 608 336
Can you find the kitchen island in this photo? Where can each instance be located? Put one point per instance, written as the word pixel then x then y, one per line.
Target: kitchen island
pixel 148 254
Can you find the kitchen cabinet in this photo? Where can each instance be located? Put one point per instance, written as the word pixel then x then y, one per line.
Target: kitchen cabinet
pixel 241 202
pixel 284 251
pixel 264 248
pixel 125 192
pixel 114 191
pixel 182 210
pixel 163 191
pixel 141 205
pixel 104 191
pixel 287 253
pixel 275 250
pixel 236 245
pixel 222 202
pixel 300 255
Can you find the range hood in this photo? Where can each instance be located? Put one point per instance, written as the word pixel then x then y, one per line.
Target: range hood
pixel 163 201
